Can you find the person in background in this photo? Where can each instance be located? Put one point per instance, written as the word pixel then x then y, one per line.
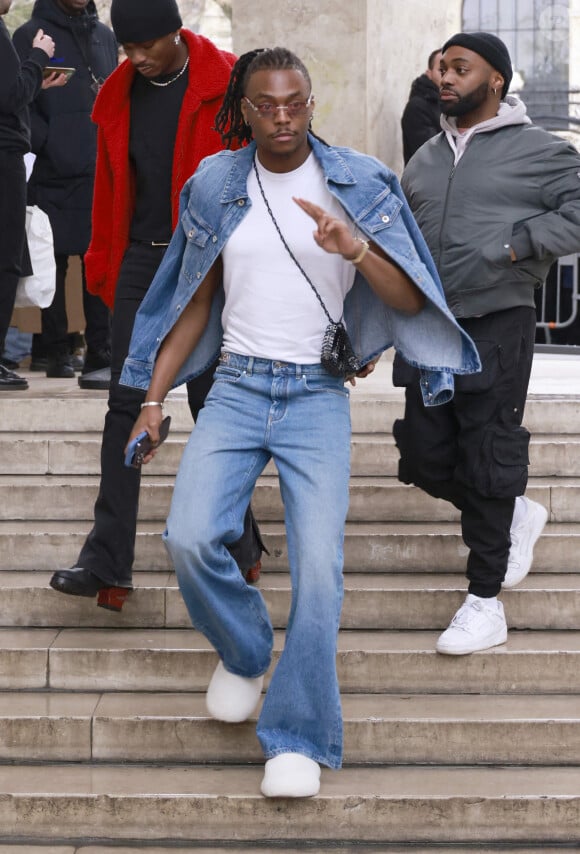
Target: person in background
pixel 155 116
pixel 245 274
pixel 20 83
pixel 421 116
pixel 64 140
pixel 497 200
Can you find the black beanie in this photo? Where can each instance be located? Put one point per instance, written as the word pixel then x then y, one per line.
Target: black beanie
pixel 139 21
pixel 492 49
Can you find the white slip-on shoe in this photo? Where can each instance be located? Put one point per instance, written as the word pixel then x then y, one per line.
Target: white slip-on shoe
pixel 291 775
pixel 232 698
pixel 478 624
pixel 527 525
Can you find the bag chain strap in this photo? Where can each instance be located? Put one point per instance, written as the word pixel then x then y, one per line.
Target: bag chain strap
pixel 289 251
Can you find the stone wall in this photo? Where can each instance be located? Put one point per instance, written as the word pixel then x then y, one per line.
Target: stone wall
pixel 362 56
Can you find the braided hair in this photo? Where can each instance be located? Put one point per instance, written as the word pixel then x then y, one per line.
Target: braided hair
pixel 230 121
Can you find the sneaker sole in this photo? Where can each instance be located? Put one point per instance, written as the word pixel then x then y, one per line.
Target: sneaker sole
pixel 465 650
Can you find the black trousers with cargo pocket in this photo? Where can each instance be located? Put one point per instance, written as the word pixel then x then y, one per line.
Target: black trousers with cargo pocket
pixel 473 451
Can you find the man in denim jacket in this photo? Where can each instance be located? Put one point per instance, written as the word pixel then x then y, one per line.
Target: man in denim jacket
pixel 215 200
pixel 239 275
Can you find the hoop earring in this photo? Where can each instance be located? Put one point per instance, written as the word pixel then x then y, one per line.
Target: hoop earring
pixel 176 38
pixel 494 91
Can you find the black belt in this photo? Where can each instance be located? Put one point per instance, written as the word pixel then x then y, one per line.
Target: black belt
pixel 150 242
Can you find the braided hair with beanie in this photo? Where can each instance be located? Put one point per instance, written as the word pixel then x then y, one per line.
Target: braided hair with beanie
pixel 230 122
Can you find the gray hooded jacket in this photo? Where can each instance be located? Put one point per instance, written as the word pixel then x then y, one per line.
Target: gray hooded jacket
pixel 508 184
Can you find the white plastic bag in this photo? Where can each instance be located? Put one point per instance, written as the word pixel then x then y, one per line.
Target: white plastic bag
pixel 38 289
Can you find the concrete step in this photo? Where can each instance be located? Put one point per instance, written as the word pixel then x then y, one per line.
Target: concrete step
pixel 368 662
pixel 192 803
pixel 372 411
pixel 372 499
pixel 266 848
pixel 373 455
pixel 379 729
pixel 372 601
pixel 381 546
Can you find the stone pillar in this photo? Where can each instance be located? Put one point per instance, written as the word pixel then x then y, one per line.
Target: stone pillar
pixel 362 56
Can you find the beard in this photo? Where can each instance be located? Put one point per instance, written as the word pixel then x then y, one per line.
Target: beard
pixel 467 103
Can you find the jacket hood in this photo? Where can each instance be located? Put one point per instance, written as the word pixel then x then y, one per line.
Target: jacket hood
pixel 423 87
pixel 512 111
pixel 49 10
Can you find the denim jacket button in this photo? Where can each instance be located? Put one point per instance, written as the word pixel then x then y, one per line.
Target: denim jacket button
pixel 199 275
pixel 178 308
pixel 214 239
pixel 386 218
pixel 241 203
pixel 190 233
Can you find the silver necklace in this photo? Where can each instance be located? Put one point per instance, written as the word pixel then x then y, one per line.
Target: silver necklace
pixel 173 79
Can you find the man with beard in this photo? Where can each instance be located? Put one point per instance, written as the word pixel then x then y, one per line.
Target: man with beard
pixel 497 200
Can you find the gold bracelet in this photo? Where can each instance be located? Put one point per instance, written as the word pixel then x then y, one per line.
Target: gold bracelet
pixel 362 253
pixel 152 403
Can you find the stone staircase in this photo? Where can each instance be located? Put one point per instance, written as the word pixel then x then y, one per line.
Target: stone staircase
pixel 104 740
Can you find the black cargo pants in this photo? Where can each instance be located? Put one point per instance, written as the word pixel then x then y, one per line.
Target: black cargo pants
pixel 473 451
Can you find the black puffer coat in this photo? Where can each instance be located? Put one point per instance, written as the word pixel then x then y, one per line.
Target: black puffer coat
pixel 64 138
pixel 421 116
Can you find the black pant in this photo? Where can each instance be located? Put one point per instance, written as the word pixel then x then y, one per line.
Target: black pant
pixel 109 549
pixel 14 258
pixel 54 341
pixel 473 450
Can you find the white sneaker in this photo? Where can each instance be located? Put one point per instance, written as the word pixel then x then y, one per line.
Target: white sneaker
pixel 479 624
pixel 232 698
pixel 291 775
pixel 527 525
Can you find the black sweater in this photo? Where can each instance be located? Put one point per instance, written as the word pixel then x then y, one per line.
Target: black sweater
pixel 420 120
pixel 19 85
pixel 64 138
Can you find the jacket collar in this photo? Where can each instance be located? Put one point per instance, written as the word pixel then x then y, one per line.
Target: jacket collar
pixel 209 73
pixel 334 166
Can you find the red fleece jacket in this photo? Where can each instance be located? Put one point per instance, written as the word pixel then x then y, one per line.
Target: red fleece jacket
pixel 114 194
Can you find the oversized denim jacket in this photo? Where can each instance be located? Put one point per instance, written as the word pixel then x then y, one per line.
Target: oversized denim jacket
pixel 213 202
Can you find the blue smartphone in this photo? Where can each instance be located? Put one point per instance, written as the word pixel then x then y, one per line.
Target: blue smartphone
pixel 141 445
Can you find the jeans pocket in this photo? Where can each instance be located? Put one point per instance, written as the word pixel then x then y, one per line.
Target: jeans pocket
pixel 325 383
pixel 228 374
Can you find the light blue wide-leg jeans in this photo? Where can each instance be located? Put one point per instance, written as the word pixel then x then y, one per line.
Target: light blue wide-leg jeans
pixel 300 417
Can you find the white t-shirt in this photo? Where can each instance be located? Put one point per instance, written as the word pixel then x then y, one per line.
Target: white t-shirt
pixel 270 310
